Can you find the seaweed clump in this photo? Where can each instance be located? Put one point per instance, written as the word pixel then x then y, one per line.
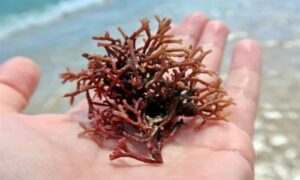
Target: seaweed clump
pixel 140 94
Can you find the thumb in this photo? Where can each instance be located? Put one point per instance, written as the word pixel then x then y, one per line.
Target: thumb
pixel 19 78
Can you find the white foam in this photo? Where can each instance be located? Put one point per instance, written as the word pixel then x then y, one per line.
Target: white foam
pixel 24 21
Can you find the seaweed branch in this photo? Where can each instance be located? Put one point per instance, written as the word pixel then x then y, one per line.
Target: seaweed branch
pixel 139 93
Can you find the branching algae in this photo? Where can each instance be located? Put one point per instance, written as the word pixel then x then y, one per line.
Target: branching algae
pixel 142 93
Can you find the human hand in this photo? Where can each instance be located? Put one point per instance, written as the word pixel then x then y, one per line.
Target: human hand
pixel 46 146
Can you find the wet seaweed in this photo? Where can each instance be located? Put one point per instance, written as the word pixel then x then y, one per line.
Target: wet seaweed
pixel 142 92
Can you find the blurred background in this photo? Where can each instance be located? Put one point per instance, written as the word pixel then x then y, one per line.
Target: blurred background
pixel 56 32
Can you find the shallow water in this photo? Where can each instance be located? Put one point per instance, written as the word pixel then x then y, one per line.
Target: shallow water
pixel 60 42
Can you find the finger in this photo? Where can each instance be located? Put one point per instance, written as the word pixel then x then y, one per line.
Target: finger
pixel 214 38
pixel 243 83
pixel 191 28
pixel 19 78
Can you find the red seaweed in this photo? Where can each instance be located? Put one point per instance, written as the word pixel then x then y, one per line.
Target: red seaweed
pixel 142 92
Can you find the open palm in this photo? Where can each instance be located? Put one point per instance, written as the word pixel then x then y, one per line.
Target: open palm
pixel 46 146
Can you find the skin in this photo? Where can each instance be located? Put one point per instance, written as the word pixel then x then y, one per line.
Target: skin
pixel 46 146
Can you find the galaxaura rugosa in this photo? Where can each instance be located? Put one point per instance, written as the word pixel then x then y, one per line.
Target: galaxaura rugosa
pixel 142 93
